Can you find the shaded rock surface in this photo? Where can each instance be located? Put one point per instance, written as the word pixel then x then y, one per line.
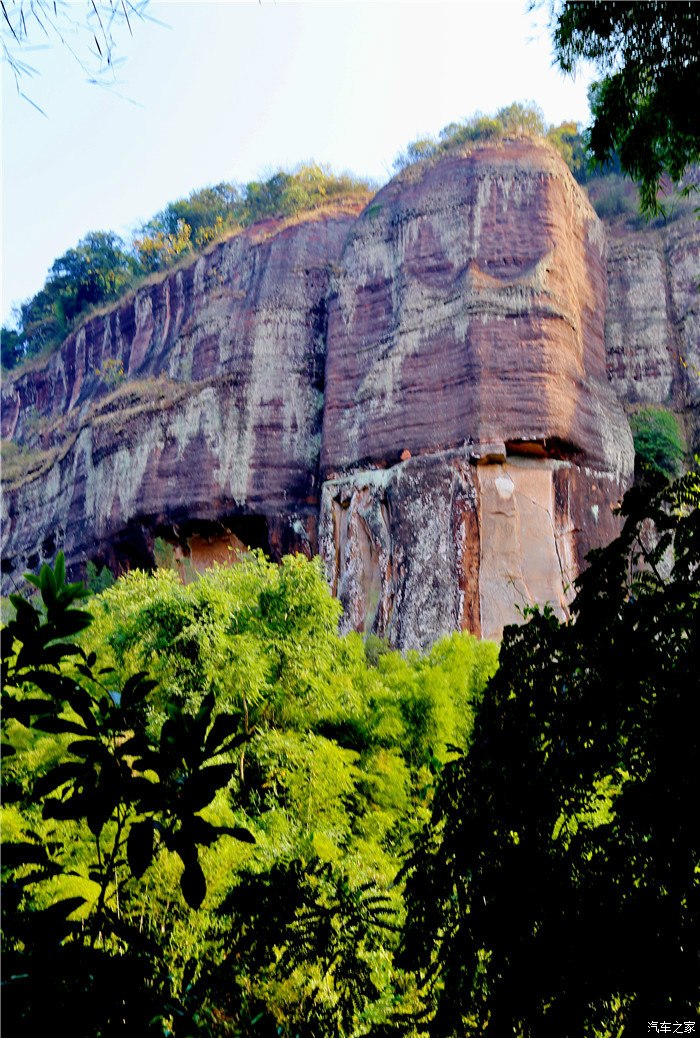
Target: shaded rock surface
pixel 653 318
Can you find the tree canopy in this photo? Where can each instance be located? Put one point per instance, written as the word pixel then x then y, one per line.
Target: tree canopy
pixel 556 890
pixel 645 106
pixel 211 849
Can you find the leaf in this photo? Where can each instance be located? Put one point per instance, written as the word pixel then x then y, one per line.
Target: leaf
pixel 59 725
pixel 237 832
pixel 59 569
pixel 139 847
pixel 223 727
pixel 60 908
pixel 14 854
pixel 135 689
pixel 61 773
pixel 89 749
pixel 193 884
pixel 56 685
pixel 47 585
pixel 201 787
pixel 24 709
pixel 81 702
pixel 74 808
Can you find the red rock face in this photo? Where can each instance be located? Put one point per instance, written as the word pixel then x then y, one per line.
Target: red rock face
pixel 472 447
pixel 470 308
pixel 219 417
pixel 420 394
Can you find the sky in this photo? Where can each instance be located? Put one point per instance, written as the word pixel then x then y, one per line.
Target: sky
pixel 233 91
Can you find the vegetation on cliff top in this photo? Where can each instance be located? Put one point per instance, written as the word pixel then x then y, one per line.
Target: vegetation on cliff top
pixel 102 266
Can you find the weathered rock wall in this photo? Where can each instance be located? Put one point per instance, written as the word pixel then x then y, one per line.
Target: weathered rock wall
pixel 218 421
pixel 652 325
pixel 419 393
pixel 466 334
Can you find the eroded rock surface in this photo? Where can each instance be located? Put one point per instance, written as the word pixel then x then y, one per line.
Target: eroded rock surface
pixel 218 420
pixel 653 318
pixel 470 308
pixel 419 392
pixel 467 335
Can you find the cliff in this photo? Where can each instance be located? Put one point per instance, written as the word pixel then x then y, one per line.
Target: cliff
pixel 418 392
pixel 653 318
pixel 216 426
pixel 472 447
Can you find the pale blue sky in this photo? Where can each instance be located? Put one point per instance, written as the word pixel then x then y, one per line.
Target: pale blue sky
pixel 233 91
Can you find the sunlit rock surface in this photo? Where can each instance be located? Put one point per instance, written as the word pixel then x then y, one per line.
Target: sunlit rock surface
pixel 467 332
pixel 420 392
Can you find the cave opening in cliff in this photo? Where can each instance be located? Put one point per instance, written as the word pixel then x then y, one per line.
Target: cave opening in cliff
pixel 553 447
pixel 194 545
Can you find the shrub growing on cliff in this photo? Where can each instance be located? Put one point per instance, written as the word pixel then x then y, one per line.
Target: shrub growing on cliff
pixel 658 442
pixel 517 119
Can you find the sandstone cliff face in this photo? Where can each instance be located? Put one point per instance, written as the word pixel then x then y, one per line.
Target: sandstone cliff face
pixel 419 393
pixel 219 419
pixel 653 317
pixel 468 329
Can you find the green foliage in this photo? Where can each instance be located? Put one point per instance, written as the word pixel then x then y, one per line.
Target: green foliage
pixel 11 349
pixel 556 890
pixel 658 442
pixel 99 269
pixel 644 108
pixel 98 580
pixel 191 223
pixel 111 373
pixel 569 142
pixel 102 267
pixel 517 119
pixel 116 789
pixel 330 763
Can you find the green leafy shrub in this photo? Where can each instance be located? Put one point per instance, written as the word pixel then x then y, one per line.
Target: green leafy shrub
pixel 328 760
pixel 115 797
pixel 658 442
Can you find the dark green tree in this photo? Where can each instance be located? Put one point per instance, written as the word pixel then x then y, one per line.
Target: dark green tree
pixel 557 891
pixel 11 348
pixel 135 792
pixel 97 270
pixel 645 107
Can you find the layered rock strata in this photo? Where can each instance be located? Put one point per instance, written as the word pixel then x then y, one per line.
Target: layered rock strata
pixel 653 318
pixel 419 393
pixel 216 427
pixel 466 334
